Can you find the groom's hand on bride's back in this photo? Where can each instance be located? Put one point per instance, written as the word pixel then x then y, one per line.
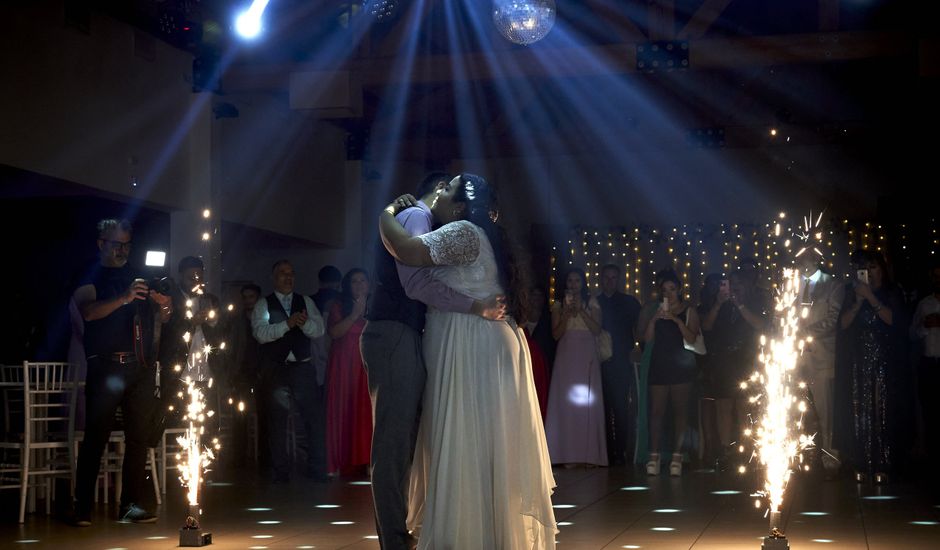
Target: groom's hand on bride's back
pixel 492 308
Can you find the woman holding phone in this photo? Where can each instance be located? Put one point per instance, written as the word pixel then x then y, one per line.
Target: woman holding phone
pixel 672 368
pixel 871 324
pixel 574 425
pixel 732 324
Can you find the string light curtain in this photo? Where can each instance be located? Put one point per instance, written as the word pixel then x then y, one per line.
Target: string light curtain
pixel 697 250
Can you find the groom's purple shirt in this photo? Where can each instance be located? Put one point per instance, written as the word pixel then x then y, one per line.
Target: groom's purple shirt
pixel 418 282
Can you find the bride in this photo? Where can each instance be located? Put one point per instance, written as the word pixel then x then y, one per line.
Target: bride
pixel 481 477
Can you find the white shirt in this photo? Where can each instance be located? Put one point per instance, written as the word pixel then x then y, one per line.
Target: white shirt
pixel 265 332
pixel 929 336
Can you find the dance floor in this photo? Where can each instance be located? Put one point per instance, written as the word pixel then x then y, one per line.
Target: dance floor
pixel 596 508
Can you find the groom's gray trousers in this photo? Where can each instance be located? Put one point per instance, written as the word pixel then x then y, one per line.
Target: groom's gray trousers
pixel 392 356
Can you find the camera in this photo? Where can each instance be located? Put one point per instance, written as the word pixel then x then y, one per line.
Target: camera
pixel 863 276
pixel 161 285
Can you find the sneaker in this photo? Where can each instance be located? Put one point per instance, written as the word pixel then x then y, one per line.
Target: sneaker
pixel 675 466
pixel 652 467
pixel 135 514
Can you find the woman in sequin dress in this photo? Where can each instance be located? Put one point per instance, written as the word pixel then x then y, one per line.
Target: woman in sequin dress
pixel 870 316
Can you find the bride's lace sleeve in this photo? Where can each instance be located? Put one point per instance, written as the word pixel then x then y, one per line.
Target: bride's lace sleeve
pixel 456 243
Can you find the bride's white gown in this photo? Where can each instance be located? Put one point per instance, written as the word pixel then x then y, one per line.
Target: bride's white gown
pixel 482 478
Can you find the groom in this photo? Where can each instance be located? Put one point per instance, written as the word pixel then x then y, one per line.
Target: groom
pixel 392 354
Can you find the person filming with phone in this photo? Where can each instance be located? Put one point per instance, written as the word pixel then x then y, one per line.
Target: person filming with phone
pixel 871 320
pixel 732 326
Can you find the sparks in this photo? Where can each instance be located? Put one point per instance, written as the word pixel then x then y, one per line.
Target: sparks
pixel 193 458
pixel 778 445
pixel 811 235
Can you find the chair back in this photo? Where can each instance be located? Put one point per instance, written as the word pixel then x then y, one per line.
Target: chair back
pixel 11 388
pixel 49 396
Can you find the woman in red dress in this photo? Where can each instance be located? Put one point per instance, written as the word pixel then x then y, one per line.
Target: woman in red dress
pixel 348 408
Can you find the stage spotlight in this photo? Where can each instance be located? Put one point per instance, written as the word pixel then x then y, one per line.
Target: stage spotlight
pixel 248 22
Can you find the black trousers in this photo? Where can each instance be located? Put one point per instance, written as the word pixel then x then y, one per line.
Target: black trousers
pixel 617 379
pixel 296 383
pixel 109 385
pixel 392 355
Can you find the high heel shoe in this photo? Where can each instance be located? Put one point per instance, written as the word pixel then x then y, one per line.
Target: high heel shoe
pixel 652 466
pixel 675 466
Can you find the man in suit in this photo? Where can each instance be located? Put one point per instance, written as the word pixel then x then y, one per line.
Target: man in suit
pixel 822 294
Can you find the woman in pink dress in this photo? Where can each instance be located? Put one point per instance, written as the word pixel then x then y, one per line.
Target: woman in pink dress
pixel 574 424
pixel 348 408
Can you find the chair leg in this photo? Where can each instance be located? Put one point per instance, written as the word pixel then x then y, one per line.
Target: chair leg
pixel 24 483
pixel 153 475
pixel 118 475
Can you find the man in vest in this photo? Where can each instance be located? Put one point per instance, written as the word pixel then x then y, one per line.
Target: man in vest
pixel 283 323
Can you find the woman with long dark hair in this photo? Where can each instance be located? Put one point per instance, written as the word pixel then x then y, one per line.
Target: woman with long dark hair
pixel 672 368
pixel 481 476
pixel 575 420
pixel 873 326
pixel 348 408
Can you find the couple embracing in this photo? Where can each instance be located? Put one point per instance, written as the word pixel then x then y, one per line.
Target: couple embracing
pixel 458 452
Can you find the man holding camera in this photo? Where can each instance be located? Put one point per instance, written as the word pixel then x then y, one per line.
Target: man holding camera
pixel 120 313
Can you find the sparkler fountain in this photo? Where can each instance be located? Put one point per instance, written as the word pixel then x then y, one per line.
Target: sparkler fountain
pixel 193 459
pixel 778 439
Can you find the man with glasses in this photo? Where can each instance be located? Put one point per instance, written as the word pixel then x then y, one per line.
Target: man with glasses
pixel 120 313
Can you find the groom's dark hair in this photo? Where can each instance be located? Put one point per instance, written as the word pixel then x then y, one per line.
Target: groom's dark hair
pixel 430 181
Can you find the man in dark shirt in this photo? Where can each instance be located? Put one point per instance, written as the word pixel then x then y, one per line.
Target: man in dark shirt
pixel 120 313
pixel 620 312
pixel 245 363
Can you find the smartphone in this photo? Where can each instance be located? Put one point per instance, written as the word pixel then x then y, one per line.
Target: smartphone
pixel 665 303
pixel 569 298
pixel 863 276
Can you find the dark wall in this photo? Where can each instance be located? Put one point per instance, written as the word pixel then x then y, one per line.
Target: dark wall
pixel 49 242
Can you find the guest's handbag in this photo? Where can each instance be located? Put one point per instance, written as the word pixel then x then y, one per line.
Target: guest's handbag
pixel 699 346
pixel 605 346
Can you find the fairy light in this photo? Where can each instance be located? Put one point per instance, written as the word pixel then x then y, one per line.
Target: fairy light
pixel 694 251
pixel 933 237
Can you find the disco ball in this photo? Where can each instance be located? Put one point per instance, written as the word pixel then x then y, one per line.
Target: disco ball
pixel 524 21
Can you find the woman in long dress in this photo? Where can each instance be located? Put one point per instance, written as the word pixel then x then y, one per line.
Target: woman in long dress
pixel 575 419
pixel 874 329
pixel 348 408
pixel 481 476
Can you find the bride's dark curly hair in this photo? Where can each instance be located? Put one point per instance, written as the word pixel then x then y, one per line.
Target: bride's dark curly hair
pixel 482 209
